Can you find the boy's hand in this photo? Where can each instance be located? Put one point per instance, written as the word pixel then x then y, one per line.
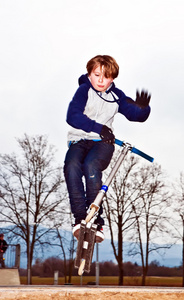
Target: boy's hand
pixel 142 99
pixel 106 135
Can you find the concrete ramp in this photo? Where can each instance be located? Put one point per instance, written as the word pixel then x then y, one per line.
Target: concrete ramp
pixel 9 277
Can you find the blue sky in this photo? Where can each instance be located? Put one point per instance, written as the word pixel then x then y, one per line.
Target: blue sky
pixel 46 44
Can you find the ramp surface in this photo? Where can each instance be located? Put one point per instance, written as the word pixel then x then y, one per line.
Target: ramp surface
pixel 96 293
pixel 9 277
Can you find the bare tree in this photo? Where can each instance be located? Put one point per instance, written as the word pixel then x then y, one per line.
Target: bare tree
pixel 118 208
pixel 179 210
pixel 31 193
pixel 67 243
pixel 136 207
pixel 151 210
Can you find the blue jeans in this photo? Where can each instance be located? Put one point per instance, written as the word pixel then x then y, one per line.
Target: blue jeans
pixel 86 159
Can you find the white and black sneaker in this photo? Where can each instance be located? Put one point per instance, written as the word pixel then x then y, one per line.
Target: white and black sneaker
pixel 99 234
pixel 75 231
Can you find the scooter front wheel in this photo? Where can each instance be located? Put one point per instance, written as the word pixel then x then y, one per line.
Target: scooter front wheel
pixel 91 214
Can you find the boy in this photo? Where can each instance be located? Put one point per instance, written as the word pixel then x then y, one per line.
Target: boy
pixel 91 140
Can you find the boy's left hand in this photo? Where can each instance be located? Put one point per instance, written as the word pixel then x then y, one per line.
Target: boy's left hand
pixel 142 99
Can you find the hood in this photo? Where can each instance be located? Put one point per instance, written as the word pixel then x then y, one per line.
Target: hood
pixel 85 80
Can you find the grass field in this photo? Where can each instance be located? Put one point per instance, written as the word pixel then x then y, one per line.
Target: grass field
pixel 108 280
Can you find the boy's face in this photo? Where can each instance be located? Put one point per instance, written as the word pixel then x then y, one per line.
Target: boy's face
pixel 99 81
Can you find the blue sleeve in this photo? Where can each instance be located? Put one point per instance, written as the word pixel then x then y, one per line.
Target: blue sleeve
pixel 131 110
pixel 75 114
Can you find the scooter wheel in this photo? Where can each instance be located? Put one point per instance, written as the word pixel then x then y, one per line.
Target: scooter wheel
pixel 91 214
pixel 81 268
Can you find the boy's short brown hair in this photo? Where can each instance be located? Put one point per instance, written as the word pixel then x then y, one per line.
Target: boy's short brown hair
pixel 111 68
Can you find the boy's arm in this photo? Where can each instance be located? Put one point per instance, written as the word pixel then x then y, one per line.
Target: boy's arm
pixel 75 114
pixel 137 110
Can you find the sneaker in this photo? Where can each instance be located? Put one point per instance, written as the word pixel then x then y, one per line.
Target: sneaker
pixel 99 234
pixel 75 231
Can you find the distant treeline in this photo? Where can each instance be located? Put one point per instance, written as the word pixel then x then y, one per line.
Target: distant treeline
pixel 47 268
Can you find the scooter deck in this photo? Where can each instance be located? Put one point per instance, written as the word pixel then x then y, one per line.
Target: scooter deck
pixel 85 245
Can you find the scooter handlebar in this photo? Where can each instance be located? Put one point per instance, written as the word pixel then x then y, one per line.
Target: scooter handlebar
pixel 135 150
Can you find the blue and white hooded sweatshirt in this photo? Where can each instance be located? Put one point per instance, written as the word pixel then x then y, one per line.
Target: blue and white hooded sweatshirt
pixel 90 109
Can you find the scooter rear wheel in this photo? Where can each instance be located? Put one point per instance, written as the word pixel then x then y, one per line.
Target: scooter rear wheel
pixel 81 268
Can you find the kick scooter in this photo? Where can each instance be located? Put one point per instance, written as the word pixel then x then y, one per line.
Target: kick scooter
pixel 87 233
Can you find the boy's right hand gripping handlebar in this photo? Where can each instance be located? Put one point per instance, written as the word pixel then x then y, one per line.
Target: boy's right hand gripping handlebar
pixel 135 150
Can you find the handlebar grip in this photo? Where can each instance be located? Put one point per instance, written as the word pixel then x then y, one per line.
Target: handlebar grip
pixel 144 155
pixel 135 150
